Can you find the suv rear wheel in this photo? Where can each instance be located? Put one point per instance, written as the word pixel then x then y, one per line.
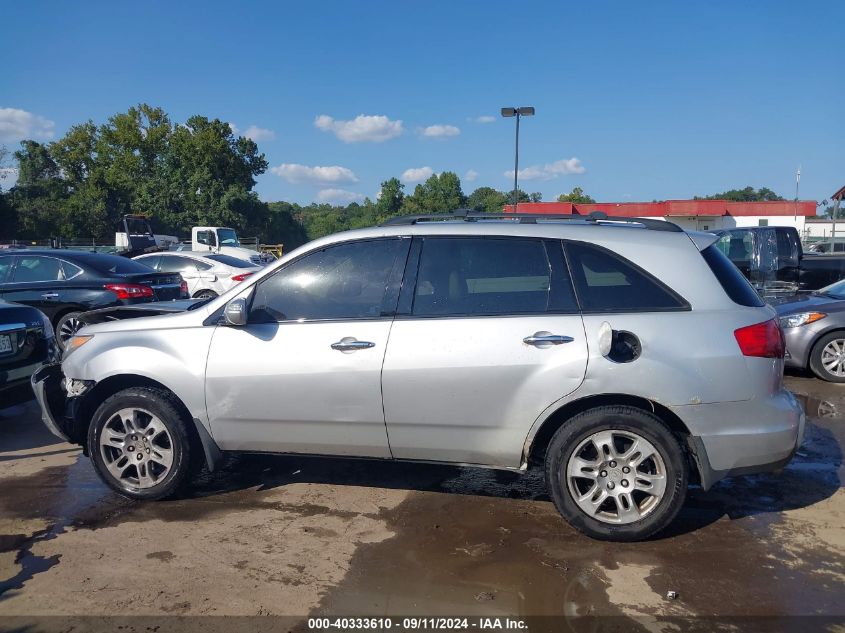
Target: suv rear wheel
pixel 616 473
pixel 139 443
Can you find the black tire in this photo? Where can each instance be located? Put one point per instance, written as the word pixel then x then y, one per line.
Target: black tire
pixel 570 437
pixel 161 404
pixel 816 365
pixel 67 325
pixel 205 294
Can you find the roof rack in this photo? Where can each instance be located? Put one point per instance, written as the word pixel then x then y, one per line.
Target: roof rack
pixel 468 215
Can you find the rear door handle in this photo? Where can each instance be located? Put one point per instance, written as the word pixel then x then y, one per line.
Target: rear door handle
pixel 50 295
pixel 545 339
pixel 351 344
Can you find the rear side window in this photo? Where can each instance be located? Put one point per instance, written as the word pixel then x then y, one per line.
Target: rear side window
pixel 488 276
pixel 606 282
pixel 736 286
pixel 232 262
pixel 34 268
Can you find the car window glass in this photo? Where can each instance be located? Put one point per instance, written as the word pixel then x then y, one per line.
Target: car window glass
pixel 70 270
pixel 5 268
pixel 464 276
pixel 346 281
pixel 176 264
pixel 114 264
pixel 608 283
pixel 230 261
pixel 151 261
pixel 33 268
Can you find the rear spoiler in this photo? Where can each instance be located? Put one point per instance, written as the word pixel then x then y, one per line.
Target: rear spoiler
pixel 702 239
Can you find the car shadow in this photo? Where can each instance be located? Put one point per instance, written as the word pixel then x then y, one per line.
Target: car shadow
pixel 811 477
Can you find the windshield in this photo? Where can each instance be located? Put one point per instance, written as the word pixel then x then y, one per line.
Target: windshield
pixel 837 290
pixel 228 237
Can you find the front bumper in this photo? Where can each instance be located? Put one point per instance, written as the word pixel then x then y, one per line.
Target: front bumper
pixel 742 438
pixel 47 383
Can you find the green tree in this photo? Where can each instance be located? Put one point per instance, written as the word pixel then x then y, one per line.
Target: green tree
pixel 749 194
pixel 577 195
pixel 441 193
pixel 487 200
pixel 390 201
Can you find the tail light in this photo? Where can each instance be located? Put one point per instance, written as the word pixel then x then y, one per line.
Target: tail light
pixel 183 288
pixel 130 291
pixel 764 340
pixel 241 277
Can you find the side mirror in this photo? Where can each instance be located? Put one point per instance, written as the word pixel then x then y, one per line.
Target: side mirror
pixel 235 312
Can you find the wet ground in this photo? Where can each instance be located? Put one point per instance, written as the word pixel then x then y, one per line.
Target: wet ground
pixel 302 536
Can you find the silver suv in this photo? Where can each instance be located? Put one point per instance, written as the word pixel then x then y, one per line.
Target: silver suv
pixel 627 356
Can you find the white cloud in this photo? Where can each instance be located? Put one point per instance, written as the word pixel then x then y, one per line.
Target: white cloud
pixel 485 118
pixel 363 128
pixel 470 175
pixel 417 174
pixel 550 170
pixel 259 133
pixel 8 177
pixel 295 173
pixel 16 125
pixel 440 131
pixel 235 128
pixel 338 196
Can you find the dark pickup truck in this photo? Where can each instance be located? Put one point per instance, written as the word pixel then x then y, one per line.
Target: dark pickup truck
pixel 771 257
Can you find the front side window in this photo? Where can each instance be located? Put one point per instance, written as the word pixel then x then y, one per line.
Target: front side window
pixel 347 281
pixel 6 268
pixel 606 282
pixel 482 276
pixel 33 268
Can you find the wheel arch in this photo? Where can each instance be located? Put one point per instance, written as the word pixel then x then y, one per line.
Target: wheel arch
pixel 541 433
pixel 83 409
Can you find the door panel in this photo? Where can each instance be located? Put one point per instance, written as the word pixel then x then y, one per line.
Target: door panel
pixel 461 383
pixel 304 375
pixel 281 387
pixel 469 389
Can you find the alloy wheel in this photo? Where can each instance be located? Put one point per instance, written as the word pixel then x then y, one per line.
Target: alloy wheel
pixel 616 476
pixel 833 357
pixel 137 448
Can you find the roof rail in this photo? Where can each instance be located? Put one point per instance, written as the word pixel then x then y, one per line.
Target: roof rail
pixel 468 215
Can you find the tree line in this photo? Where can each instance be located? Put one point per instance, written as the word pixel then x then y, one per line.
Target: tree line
pixel 201 173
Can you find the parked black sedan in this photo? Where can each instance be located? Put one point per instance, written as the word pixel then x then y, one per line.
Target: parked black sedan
pixel 26 342
pixel 64 283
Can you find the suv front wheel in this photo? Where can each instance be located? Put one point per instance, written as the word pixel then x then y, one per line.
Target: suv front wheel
pixel 139 443
pixel 616 473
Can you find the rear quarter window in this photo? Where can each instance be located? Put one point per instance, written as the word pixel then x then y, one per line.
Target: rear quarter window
pixel 606 282
pixel 735 284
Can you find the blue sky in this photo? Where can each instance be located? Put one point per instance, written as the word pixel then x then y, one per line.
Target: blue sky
pixel 635 100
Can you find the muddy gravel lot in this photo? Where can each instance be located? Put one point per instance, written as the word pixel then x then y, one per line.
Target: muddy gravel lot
pixel 300 536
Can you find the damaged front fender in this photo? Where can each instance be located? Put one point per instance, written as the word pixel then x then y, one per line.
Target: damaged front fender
pixel 48 385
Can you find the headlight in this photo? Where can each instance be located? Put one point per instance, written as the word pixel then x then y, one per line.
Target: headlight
pixel 76 342
pixel 803 318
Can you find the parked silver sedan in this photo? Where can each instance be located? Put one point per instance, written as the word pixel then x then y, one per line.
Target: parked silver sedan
pixel 814 329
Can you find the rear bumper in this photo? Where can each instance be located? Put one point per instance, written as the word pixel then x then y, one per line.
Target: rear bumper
pixel 47 385
pixel 15 386
pixel 741 438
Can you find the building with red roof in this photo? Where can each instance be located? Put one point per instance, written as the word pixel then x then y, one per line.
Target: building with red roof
pixel 700 215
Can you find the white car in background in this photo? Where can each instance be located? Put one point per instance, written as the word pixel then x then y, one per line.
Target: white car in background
pixel 207 274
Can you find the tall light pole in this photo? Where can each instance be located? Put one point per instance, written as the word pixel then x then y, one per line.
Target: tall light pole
pixel 517 112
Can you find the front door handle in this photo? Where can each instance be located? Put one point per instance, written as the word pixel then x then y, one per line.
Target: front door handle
pixel 351 344
pixel 545 339
pixel 50 295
